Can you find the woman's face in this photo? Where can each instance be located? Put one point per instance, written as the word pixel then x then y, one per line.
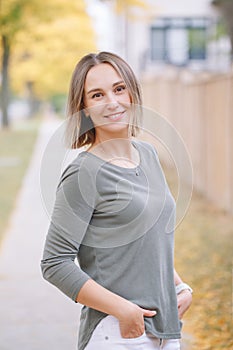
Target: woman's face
pixel 107 100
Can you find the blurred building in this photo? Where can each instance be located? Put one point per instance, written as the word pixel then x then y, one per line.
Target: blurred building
pixel 187 34
pixel 181 33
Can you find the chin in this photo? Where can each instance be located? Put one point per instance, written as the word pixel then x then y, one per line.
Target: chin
pixel 114 128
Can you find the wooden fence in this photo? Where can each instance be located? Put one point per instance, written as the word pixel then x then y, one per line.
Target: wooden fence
pixel 200 107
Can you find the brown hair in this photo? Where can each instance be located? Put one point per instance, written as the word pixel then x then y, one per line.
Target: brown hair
pixel 80 130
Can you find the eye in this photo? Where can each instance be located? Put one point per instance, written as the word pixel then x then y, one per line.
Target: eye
pixel 120 88
pixel 97 95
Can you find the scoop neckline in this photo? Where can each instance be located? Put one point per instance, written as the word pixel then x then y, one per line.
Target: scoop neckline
pixel 118 166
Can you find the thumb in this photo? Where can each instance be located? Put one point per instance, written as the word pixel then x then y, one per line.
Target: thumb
pixel 149 313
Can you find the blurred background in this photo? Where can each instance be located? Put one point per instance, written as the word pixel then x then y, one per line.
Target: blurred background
pixel 182 52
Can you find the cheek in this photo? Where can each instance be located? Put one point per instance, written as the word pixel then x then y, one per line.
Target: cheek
pixel 96 110
pixel 126 100
pixel 126 104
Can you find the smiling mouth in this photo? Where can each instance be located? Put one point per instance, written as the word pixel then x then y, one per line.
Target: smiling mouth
pixel 115 116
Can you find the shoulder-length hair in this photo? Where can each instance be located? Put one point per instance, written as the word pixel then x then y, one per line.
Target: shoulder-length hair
pixel 80 130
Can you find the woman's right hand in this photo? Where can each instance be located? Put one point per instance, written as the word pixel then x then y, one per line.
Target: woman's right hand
pixel 131 322
pixel 130 315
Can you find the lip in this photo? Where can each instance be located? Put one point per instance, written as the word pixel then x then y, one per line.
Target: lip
pixel 115 116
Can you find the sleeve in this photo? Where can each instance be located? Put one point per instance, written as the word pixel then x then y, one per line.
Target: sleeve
pixel 72 213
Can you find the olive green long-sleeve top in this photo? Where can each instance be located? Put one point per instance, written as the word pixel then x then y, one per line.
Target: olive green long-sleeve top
pixel 119 224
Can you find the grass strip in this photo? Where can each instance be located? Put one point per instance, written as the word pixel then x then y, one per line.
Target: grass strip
pixel 16 146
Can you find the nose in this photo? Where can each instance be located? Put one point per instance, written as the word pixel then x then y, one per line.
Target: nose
pixel 112 102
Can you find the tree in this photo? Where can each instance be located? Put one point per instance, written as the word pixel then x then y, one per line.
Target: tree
pixel 12 14
pixel 226 9
pixel 26 28
pixel 47 55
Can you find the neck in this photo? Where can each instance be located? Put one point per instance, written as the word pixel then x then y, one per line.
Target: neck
pixel 118 145
pixel 116 149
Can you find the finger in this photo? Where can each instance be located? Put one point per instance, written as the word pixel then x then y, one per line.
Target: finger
pixel 179 305
pixel 149 313
pixel 181 315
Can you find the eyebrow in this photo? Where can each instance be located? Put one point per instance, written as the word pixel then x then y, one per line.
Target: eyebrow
pixel 98 89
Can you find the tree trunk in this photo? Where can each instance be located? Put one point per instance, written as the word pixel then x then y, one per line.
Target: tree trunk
pixel 226 9
pixel 5 80
pixel 31 97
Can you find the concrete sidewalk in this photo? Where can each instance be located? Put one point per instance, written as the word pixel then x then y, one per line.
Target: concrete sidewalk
pixel 33 314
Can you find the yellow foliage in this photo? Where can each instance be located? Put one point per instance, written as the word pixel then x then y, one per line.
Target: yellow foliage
pixel 204 245
pixel 136 9
pixel 17 15
pixel 120 5
pixel 46 54
pixel 203 258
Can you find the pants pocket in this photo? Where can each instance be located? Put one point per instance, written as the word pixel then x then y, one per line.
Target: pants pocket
pixel 111 329
pixel 97 334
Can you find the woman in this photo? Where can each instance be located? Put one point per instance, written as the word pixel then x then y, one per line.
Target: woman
pixel 115 213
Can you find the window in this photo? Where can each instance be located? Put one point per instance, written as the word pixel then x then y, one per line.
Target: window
pixel 178 40
pixel 158 44
pixel 197 43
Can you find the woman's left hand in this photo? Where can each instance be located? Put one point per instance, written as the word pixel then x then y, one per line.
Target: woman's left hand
pixel 184 300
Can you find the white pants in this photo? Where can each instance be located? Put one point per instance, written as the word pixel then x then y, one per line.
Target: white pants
pixel 107 336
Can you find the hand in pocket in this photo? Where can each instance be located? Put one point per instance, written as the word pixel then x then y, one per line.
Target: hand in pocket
pixel 132 322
